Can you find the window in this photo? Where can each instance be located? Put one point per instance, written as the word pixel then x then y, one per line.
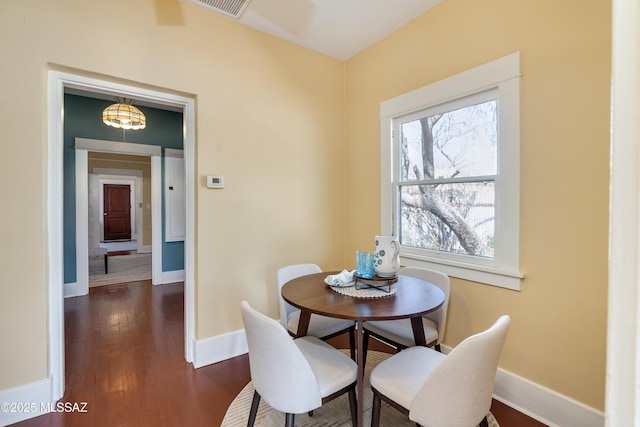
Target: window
pixel 451 174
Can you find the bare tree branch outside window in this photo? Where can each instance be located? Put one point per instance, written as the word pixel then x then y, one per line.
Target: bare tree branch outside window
pixel 448 165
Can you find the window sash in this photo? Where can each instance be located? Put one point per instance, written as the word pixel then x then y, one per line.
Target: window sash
pixel 438 231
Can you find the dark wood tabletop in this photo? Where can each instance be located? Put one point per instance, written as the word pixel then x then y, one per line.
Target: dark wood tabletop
pixel 414 297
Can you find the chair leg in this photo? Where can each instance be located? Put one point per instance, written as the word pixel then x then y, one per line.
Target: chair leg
pixel 437 347
pixel 353 405
pixel 375 411
pixel 365 347
pixel 484 422
pixel 290 420
pixel 254 409
pixel 352 343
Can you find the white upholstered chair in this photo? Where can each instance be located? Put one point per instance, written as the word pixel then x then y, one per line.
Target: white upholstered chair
pixel 294 376
pixel 322 327
pixel 399 333
pixel 437 390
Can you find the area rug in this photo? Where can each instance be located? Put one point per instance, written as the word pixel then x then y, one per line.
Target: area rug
pixel 122 269
pixel 333 414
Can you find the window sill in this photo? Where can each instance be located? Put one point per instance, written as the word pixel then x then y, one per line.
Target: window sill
pixel 508 279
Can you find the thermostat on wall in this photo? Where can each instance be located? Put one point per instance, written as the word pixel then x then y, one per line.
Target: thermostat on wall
pixel 215 181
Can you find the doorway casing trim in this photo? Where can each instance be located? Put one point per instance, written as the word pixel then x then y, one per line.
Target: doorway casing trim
pixel 57 82
pixel 135 174
pixel 132 183
pixel 82 148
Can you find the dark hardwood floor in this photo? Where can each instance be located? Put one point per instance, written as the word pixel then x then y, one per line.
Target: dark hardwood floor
pixel 124 349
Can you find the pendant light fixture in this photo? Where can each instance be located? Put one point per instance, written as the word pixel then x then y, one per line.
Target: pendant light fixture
pixel 124 115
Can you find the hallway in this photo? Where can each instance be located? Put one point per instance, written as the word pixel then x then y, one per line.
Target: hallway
pixel 125 359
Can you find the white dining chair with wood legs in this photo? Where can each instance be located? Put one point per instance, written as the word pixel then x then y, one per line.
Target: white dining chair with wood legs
pixel 435 390
pixel 294 376
pixel 322 327
pixel 398 333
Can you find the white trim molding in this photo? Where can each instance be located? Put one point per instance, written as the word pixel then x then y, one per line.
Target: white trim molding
pixel 82 222
pixel 622 399
pixel 103 146
pixel 218 348
pixel 170 277
pixel 72 290
pixel 139 206
pixel 132 182
pixel 26 401
pixel 172 152
pixel 156 221
pixel 543 404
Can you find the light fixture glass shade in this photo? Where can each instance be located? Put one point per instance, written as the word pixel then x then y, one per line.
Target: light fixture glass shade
pixel 124 115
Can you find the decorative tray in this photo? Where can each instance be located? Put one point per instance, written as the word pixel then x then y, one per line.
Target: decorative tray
pixel 376 282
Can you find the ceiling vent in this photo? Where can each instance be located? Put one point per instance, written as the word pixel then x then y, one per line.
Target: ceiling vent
pixel 230 8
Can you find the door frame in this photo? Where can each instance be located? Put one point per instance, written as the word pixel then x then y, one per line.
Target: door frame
pixel 135 175
pixel 56 84
pixel 133 216
pixel 83 146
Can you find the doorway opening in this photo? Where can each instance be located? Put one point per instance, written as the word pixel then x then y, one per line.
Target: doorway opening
pixel 58 83
pixel 128 256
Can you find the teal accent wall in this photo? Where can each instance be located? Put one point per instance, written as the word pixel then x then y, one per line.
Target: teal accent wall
pixel 83 119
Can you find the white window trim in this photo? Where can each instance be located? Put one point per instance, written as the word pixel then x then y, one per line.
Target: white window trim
pixel 503 74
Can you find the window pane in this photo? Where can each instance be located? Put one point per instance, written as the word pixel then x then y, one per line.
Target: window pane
pixel 457 143
pixel 454 218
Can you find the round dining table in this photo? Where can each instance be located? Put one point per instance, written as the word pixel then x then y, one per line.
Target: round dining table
pixel 411 298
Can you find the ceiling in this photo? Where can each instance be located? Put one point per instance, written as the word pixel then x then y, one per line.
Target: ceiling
pixel 337 28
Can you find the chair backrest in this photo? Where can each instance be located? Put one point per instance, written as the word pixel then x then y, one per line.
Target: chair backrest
pixel 441 280
pixel 279 371
pixel 459 390
pixel 286 274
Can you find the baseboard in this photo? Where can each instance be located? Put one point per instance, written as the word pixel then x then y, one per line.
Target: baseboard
pixel 541 403
pixel 219 348
pixel 144 250
pixel 171 277
pixel 71 290
pixel 26 401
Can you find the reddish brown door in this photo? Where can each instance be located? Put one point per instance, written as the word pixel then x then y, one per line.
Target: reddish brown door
pixel 117 212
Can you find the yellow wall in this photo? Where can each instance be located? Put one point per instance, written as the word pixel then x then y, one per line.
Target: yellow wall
pixel 271 119
pixel 558 332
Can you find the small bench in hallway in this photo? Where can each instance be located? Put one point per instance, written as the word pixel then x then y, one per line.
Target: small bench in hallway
pixel 100 252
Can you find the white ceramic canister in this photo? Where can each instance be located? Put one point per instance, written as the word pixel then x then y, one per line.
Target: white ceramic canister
pixel 387 256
